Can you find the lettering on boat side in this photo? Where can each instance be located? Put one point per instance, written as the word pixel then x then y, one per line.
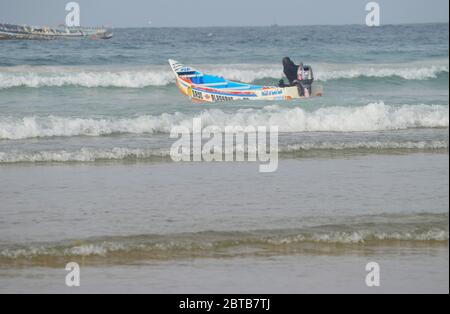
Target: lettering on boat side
pixel 275 92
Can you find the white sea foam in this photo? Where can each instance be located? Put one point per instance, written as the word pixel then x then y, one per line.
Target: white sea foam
pixel 173 244
pixel 124 153
pixel 372 117
pixel 82 155
pixel 362 236
pixel 361 145
pixel 374 71
pixel 98 249
pixel 157 75
pixel 326 72
pixel 70 77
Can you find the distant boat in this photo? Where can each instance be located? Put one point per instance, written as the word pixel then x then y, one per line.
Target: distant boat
pixel 11 31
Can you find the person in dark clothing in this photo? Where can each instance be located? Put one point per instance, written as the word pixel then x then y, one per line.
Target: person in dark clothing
pixel 290 69
pixel 298 75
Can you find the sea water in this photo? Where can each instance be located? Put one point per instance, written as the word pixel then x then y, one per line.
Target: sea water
pixel 86 175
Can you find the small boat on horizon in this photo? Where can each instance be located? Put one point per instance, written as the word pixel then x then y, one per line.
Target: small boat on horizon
pixel 12 31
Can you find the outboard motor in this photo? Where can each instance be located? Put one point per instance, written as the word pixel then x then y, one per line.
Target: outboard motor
pixel 305 77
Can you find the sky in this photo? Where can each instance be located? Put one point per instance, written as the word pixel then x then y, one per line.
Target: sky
pixel 191 13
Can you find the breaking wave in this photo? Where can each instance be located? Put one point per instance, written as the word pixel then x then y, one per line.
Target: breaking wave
pixel 372 117
pixel 26 76
pixel 368 145
pixel 124 153
pixel 83 155
pixel 335 72
pixel 58 77
pixel 389 230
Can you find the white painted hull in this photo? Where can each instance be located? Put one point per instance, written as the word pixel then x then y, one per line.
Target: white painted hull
pixel 215 89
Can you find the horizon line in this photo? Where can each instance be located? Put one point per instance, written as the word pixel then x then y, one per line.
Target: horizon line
pixel 234 26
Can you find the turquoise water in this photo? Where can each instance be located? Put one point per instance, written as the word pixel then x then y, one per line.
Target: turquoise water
pixel 86 174
pixel 75 95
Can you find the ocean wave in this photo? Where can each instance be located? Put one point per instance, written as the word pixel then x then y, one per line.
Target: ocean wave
pixel 419 73
pixel 83 155
pixel 141 154
pixel 325 72
pixel 84 78
pixel 366 145
pixel 388 230
pixel 372 117
pixel 26 76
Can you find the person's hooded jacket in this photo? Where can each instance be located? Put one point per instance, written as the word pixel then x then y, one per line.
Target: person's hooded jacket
pixel 290 69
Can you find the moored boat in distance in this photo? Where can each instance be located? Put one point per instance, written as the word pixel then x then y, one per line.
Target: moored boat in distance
pixel 12 31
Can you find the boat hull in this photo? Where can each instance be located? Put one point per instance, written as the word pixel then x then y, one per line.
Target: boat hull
pixel 229 91
pixel 8 31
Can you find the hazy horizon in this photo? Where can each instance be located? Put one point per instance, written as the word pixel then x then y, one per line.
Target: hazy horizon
pixel 204 13
pixel 277 25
